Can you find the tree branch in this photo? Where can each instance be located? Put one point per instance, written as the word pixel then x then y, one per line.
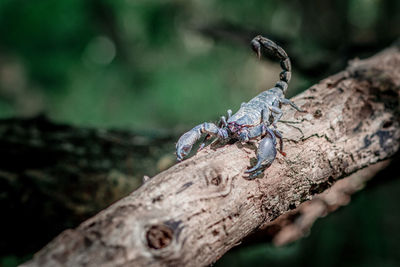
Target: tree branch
pixel 297 223
pixel 192 213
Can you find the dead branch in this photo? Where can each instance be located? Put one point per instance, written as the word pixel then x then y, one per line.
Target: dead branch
pixel 192 213
pixel 297 223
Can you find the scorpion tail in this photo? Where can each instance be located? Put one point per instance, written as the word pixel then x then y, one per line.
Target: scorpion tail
pixel 284 77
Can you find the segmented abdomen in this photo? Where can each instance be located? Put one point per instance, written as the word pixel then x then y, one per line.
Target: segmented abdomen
pixel 250 112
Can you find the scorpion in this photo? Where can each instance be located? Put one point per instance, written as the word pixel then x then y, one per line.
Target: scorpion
pixel 253 119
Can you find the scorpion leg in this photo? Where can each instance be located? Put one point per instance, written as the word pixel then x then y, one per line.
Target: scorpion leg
pixel 266 153
pixel 203 143
pixel 277 114
pixel 188 139
pixel 229 111
pixel 222 121
pixel 279 135
pixel 288 102
pixel 265 114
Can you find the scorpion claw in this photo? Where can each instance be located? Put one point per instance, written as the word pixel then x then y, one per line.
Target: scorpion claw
pixel 182 152
pixel 188 139
pixel 185 143
pixel 256 167
pixel 255 174
pixel 265 155
pixel 203 144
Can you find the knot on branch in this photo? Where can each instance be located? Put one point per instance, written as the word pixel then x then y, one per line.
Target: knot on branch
pixel 159 236
pixel 162 238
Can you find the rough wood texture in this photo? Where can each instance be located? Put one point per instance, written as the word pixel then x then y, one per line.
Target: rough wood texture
pixel 297 223
pixel 192 213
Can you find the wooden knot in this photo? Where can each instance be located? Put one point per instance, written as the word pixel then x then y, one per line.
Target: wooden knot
pixel 216 180
pixel 317 114
pixel 159 236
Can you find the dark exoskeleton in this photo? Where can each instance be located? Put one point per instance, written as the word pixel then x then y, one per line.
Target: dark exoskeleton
pixel 253 119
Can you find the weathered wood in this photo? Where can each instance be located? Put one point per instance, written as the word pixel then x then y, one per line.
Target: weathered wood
pixel 192 213
pixel 297 223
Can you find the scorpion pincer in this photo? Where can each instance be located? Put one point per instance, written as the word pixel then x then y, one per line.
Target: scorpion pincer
pixel 253 119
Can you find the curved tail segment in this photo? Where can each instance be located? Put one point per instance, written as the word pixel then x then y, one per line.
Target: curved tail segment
pixel 261 42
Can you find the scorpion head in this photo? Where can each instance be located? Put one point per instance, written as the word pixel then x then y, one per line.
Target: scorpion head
pixel 234 128
pixel 237 131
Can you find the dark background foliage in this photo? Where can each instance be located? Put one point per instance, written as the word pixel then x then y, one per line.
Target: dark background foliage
pixel 168 65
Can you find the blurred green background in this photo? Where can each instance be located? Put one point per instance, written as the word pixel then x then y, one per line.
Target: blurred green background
pixel 169 65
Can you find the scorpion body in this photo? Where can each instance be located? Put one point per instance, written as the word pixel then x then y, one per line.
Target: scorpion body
pixel 253 119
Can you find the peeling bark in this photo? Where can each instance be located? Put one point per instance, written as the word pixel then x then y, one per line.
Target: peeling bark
pixel 192 213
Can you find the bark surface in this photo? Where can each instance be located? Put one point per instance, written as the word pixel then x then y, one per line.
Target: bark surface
pixel 192 213
pixel 297 223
